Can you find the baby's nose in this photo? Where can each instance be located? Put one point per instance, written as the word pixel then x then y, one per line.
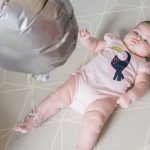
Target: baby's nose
pixel 138 38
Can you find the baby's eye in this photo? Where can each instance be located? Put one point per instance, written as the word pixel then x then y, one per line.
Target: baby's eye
pixel 146 41
pixel 136 33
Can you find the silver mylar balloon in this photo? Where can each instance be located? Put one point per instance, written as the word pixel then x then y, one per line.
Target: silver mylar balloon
pixel 36 36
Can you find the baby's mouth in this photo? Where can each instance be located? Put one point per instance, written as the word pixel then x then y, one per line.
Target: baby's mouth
pixel 133 42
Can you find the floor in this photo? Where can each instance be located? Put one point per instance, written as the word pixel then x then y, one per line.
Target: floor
pixel 129 128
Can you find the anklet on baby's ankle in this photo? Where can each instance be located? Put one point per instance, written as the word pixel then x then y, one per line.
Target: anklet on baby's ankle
pixel 34 115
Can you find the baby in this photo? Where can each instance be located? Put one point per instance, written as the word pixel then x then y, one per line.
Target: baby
pixel 118 75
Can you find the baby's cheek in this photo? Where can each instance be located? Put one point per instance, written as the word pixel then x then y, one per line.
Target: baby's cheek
pixel 131 47
pixel 147 51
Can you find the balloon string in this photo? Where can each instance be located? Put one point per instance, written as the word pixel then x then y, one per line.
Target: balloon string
pixel 31 84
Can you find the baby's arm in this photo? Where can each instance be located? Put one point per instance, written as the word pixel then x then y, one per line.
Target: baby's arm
pixel 140 87
pixel 90 42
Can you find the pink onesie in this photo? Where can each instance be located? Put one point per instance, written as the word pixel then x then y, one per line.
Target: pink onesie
pixel 108 75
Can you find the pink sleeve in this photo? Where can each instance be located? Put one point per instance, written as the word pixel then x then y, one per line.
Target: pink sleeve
pixel 111 36
pixel 144 67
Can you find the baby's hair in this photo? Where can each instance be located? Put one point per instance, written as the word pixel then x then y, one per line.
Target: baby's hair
pixel 147 22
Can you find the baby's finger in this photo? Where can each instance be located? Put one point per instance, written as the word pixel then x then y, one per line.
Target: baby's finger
pixel 118 102
pixel 85 31
pixel 81 34
pixel 116 105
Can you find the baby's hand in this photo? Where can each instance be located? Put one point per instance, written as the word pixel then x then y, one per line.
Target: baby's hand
pixel 83 35
pixel 124 101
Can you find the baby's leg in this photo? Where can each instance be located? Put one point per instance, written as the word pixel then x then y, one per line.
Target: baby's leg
pixel 96 115
pixel 62 97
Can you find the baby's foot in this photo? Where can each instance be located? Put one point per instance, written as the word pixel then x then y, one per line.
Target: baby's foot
pixel 30 122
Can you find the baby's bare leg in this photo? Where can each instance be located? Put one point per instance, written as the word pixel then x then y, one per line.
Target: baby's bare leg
pixel 62 97
pixel 93 120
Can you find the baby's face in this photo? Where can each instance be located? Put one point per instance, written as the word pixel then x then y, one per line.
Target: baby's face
pixel 138 40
